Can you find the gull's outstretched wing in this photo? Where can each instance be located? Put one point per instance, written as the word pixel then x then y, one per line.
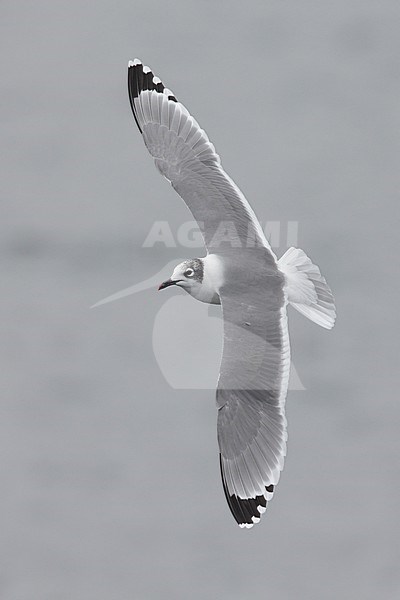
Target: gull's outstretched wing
pixel 185 156
pixel 251 392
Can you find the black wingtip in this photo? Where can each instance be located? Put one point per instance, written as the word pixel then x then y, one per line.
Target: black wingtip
pixel 248 511
pixel 135 72
pixel 141 78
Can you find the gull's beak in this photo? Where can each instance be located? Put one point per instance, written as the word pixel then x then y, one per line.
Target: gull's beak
pixel 167 283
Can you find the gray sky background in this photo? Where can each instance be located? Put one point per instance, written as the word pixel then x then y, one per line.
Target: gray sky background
pixel 110 480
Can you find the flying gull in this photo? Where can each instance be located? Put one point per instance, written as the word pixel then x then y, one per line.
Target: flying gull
pixel 241 273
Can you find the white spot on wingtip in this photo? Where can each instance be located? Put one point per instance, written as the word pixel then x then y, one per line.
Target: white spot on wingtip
pixel 146 69
pixel 156 80
pixel 168 92
pixel 255 519
pixel 133 63
pixel 261 509
pixel 241 525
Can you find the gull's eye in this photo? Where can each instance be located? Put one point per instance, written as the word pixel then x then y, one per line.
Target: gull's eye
pixel 189 273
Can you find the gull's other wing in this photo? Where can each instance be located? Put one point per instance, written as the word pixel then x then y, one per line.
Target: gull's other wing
pixel 252 390
pixel 185 156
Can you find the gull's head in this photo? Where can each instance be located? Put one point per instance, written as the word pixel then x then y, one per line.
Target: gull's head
pixel 187 275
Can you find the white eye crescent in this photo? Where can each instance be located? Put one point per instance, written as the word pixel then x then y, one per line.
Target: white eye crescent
pixel 189 273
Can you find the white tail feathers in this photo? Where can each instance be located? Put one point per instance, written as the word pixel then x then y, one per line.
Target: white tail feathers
pixel 307 290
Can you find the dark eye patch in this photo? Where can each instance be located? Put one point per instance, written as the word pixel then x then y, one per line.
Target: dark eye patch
pixel 195 265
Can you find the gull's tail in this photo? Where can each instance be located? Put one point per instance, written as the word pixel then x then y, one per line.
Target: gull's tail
pixel 306 289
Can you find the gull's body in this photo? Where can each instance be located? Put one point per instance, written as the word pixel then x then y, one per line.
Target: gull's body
pixel 241 273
